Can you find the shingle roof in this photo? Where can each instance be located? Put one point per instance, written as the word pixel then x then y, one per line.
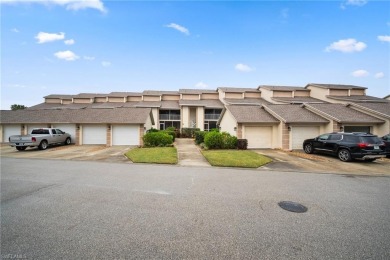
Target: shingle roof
pixel 251 114
pixel 60 96
pixel 44 106
pixel 170 104
pixel 124 94
pixel 159 93
pixel 148 104
pixel 334 86
pixel 245 101
pixel 359 98
pixel 90 95
pixel 382 109
pixel 342 113
pixel 297 100
pixel 116 115
pixel 239 90
pixel 282 88
pixel 294 114
pixel 196 91
pixel 211 103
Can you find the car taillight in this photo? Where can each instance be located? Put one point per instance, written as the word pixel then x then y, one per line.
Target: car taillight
pixel 362 145
pixel 33 139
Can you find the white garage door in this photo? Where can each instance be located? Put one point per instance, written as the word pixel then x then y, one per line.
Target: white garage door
pixel 68 128
pixel 300 133
pixel 9 130
pixel 259 136
pixel 125 135
pixel 94 134
pixel 31 127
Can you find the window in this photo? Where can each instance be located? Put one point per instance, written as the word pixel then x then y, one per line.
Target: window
pixel 351 139
pixel 210 125
pixel 335 137
pixel 323 137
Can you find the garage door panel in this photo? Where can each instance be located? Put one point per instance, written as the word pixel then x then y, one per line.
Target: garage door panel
pixel 9 130
pixel 125 135
pixel 259 136
pixel 300 133
pixel 94 134
pixel 68 128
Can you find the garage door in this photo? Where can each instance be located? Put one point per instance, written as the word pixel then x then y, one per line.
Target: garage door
pixel 9 130
pixel 125 135
pixel 31 127
pixel 68 128
pixel 300 133
pixel 259 137
pixel 94 134
pixel 357 128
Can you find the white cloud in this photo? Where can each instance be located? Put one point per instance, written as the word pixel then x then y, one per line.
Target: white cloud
pixel 66 55
pixel 384 38
pixel 379 75
pixel 201 84
pixel 68 4
pixel 106 63
pixel 178 28
pixel 88 58
pixel 356 2
pixel 347 45
pixel 14 30
pixel 69 42
pixel 243 68
pixel 43 37
pixel 360 73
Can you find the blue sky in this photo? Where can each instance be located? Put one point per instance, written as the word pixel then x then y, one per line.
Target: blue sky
pixel 76 46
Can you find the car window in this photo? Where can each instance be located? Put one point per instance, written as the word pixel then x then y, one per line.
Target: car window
pixel 371 139
pixel 40 132
pixel 59 131
pixel 335 137
pixel 53 131
pixel 323 137
pixel 351 139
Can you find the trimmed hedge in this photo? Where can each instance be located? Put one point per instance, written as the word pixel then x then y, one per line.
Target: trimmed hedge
pixel 157 139
pixel 152 130
pixel 213 140
pixel 171 133
pixel 199 136
pixel 228 141
pixel 242 144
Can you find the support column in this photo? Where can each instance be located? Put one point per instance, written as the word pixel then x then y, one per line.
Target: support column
pixel 109 137
pixel 285 137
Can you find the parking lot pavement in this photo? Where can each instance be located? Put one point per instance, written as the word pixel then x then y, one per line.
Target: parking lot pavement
pixel 71 152
pixel 299 161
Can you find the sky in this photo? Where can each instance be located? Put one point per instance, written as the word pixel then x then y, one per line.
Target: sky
pixel 99 46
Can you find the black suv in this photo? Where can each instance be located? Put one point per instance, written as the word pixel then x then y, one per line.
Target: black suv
pixel 347 146
pixel 386 140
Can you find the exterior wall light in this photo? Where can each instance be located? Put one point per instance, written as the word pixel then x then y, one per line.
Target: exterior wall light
pixel 235 128
pixel 341 128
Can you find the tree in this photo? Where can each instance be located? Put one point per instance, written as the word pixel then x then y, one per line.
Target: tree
pixel 17 107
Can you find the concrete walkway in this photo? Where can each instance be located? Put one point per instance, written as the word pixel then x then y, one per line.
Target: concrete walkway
pixel 189 154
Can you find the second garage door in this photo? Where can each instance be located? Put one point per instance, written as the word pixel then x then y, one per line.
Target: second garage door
pixel 300 133
pixel 94 134
pixel 68 128
pixel 259 136
pixel 125 135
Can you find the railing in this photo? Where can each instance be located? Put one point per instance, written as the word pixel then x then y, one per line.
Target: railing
pixel 169 117
pixel 211 116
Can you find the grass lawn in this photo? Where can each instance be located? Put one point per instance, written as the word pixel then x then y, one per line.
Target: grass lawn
pixel 235 158
pixel 165 155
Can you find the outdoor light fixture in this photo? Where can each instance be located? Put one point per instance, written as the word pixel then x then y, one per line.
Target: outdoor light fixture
pixel 289 128
pixel 341 128
pixel 235 128
pixel 108 127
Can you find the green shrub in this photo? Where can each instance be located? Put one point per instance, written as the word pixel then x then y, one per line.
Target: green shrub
pixel 157 139
pixel 152 130
pixel 188 132
pixel 171 128
pixel 199 136
pixel 228 141
pixel 171 133
pixel 213 140
pixel 242 144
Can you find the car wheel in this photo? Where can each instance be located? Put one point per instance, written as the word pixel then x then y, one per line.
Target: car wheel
pixel 21 148
pixel 344 155
pixel 308 148
pixel 67 141
pixel 43 145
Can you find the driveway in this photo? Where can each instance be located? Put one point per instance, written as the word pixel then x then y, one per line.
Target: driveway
pixel 282 161
pixel 71 152
pixel 300 161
